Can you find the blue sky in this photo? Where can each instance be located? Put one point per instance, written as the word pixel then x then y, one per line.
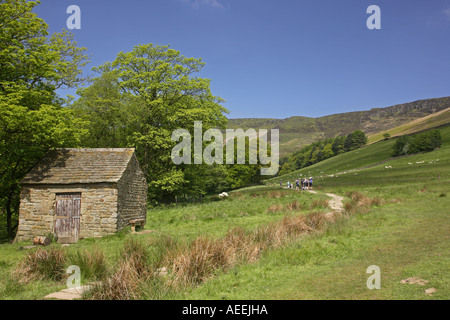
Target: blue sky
pixel 282 58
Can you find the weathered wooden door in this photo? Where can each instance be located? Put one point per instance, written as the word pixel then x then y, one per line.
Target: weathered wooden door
pixel 67 217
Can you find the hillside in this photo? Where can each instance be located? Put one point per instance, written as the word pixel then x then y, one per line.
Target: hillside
pixel 296 132
pixel 433 120
pixel 375 157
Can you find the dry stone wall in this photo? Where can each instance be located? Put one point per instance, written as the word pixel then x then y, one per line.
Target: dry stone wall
pixel 98 210
pixel 132 200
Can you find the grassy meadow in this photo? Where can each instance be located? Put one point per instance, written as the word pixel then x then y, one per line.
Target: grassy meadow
pixel 265 242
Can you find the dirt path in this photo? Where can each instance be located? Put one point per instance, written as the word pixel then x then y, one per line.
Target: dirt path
pixel 335 203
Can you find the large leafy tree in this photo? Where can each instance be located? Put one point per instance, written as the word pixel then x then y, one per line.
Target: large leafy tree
pixel 139 99
pixel 355 140
pixel 33 65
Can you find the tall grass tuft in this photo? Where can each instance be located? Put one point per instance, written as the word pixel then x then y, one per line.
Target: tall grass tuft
pixel 277 233
pixel 277 194
pixel 274 208
pixel 159 247
pixel 136 252
pixel 293 206
pixel 241 246
pixel 92 263
pixel 316 220
pixel 323 203
pixel 131 274
pixel 201 259
pixel 359 203
pixel 198 261
pixel 48 264
pixel 123 284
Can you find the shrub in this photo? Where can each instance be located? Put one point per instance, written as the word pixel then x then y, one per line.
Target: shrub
pixel 421 142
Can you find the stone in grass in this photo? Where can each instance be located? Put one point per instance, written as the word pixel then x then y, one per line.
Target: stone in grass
pixel 71 293
pixel 430 291
pixel 62 296
pixel 414 280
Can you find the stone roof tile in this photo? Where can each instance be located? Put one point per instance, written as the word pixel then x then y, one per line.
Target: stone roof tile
pixel 72 166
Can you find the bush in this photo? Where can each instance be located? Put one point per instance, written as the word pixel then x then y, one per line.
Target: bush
pixel 421 142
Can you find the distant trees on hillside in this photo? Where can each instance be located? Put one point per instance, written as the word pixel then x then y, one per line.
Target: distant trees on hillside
pixel 421 142
pixel 322 150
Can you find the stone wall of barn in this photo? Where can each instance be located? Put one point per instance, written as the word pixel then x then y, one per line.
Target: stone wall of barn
pixel 37 209
pixel 132 200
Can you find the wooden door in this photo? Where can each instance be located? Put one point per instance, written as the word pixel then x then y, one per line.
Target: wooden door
pixel 67 217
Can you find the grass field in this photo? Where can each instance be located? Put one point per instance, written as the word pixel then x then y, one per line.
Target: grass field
pixel 406 235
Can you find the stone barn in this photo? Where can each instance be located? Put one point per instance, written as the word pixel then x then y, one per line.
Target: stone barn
pixel 82 193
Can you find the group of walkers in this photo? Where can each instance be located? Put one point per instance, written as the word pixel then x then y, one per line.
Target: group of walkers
pixel 303 183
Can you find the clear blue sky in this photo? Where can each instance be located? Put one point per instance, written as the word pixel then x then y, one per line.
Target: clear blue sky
pixel 281 58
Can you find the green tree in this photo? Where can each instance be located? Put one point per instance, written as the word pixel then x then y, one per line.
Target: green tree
pixel 425 141
pixel 327 151
pixel 355 140
pixel 155 87
pixel 401 145
pixel 241 175
pixel 32 66
pixel 338 145
pixel 421 142
pixel 106 112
